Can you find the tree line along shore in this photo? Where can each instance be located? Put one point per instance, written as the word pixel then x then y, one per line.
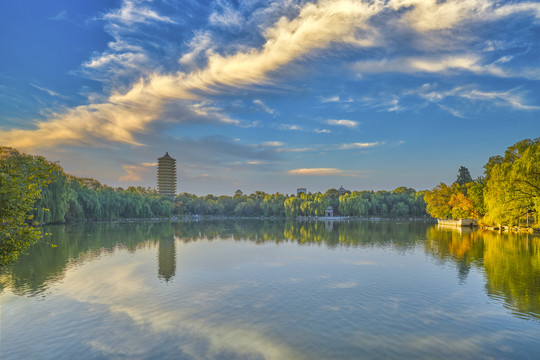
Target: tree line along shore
pixel 34 191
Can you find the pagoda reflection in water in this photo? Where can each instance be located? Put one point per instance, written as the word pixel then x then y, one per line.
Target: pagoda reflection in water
pixel 167 258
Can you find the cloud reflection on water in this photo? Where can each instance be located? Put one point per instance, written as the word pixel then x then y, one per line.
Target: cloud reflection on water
pixel 194 323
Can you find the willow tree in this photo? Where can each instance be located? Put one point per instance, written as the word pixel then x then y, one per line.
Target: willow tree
pixel 53 203
pixel 273 205
pixel 513 184
pixel 21 180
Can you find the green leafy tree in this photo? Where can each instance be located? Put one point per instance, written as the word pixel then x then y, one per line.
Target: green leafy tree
pixel 292 206
pixel 273 205
pixel 438 201
pixel 246 208
pixel 463 176
pixel 332 195
pixel 513 184
pixel 462 200
pixel 54 197
pixel 21 179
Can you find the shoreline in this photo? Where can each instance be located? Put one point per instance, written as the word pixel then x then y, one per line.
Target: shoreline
pixel 473 224
pixel 509 229
pixel 447 223
pixel 224 217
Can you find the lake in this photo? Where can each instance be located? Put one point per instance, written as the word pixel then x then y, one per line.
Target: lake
pixel 272 290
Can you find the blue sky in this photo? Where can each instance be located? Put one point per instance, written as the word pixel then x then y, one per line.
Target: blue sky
pixel 270 95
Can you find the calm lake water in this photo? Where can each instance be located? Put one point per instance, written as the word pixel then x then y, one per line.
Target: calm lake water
pixel 272 290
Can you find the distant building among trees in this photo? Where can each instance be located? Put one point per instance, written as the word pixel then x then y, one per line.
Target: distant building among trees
pixel 329 212
pixel 166 175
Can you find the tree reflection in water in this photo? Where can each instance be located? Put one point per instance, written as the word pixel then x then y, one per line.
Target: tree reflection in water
pixel 510 262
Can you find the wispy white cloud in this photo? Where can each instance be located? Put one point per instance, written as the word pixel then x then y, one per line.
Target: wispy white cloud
pixel 430 15
pixel 512 98
pixel 264 107
pixel 134 172
pixel 335 99
pixel 455 112
pixel 316 171
pixel 431 64
pixel 133 12
pixel 48 91
pixel 123 61
pixel 250 163
pixel 296 150
pixel 290 127
pixel 359 145
pixel 392 104
pixel 129 56
pixel 505 98
pixel 206 109
pixel 225 15
pixel 504 59
pixel 460 101
pixel 272 143
pixel 326 172
pixel 330 99
pixel 131 175
pixel 347 123
pixel 62 15
pixel 383 102
pixel 295 127
pixel 532 8
pixel 200 46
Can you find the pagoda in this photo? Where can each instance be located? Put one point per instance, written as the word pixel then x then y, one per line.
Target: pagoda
pixel 166 175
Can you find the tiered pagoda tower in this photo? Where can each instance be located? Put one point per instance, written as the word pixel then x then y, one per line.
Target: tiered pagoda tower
pixel 166 175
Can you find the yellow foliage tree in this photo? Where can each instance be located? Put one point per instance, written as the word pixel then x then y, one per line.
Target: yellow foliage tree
pixel 513 185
